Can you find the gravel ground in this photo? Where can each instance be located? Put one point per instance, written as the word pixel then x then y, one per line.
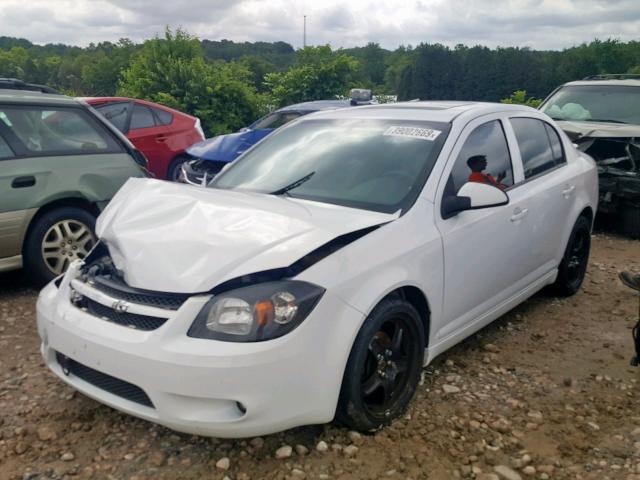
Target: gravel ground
pixel 545 392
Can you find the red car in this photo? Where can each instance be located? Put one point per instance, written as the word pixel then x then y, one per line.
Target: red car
pixel 160 132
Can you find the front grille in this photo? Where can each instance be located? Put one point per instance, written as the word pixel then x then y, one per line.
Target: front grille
pixel 169 301
pixel 131 320
pixel 105 382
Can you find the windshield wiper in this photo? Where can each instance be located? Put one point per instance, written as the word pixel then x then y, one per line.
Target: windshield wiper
pixel 603 120
pixel 291 186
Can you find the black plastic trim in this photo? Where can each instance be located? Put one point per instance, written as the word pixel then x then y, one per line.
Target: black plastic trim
pixel 103 381
pixel 298 266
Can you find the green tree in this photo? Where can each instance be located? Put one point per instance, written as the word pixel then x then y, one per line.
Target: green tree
pixel 317 74
pixel 258 67
pixel 173 71
pixel 519 97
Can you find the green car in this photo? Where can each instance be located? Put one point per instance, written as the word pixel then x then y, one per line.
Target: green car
pixel 60 163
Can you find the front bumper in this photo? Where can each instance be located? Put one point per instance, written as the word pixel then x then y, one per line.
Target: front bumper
pixel 200 172
pixel 199 386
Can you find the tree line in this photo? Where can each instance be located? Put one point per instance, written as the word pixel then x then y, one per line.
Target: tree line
pixel 228 84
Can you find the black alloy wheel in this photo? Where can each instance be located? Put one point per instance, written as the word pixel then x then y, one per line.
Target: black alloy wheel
pixel 384 367
pixel 573 266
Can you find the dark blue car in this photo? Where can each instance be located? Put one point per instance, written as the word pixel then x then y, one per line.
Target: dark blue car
pixel 212 154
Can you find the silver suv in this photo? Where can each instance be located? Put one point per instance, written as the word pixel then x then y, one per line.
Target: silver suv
pixel 601 114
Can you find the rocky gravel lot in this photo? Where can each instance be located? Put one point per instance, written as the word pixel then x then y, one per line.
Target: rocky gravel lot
pixel 545 392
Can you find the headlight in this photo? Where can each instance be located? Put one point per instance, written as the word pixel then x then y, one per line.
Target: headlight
pixel 257 312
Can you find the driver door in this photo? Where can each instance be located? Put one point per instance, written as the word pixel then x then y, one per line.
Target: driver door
pixel 484 248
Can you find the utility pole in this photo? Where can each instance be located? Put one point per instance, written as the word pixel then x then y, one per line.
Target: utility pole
pixel 304 31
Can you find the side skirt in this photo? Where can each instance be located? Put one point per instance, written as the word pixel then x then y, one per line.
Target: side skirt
pixel 488 317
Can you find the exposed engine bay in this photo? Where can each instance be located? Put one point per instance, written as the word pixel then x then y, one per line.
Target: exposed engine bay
pixel 616 150
pixel 618 162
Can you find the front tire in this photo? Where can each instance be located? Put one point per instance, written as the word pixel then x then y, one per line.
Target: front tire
pixel 573 266
pixel 384 367
pixel 175 168
pixel 55 239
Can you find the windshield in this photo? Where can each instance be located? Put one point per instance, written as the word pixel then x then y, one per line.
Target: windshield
pixel 274 120
pixel 378 165
pixel 593 103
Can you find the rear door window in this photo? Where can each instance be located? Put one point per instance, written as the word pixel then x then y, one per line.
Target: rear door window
pixel 116 113
pixel 57 130
pixel 142 117
pixel 556 145
pixel 535 146
pixel 162 116
pixel 5 149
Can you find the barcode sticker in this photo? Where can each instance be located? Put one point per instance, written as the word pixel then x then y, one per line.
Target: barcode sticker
pixel 413 132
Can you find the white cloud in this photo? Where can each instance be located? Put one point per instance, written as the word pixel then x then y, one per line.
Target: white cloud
pixel 542 24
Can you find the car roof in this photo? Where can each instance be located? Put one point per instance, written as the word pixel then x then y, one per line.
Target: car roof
pixel 435 111
pixel 316 105
pixel 31 97
pixel 99 100
pixel 631 82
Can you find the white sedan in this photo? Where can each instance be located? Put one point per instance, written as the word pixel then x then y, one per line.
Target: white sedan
pixel 314 278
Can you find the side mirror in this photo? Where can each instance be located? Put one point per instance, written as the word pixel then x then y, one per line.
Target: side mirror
pixel 473 196
pixel 244 129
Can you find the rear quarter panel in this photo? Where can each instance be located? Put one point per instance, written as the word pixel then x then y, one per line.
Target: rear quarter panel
pixel 586 181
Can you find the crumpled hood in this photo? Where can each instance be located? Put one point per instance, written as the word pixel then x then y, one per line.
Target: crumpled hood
pixel 226 148
pixel 178 238
pixel 577 130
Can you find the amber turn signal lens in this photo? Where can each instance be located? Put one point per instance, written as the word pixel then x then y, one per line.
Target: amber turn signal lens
pixel 264 313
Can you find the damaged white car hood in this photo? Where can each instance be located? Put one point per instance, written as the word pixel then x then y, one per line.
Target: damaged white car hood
pixel 176 238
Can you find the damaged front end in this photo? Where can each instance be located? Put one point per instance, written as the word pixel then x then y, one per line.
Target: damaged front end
pixel 200 172
pixel 616 150
pixel 618 161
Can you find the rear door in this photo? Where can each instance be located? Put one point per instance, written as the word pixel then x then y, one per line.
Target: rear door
pixel 548 183
pixel 150 137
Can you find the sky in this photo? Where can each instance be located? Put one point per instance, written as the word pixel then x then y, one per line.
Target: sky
pixel 539 24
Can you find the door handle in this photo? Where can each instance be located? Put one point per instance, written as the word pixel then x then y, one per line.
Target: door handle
pixel 519 214
pixel 162 138
pixel 23 182
pixel 568 190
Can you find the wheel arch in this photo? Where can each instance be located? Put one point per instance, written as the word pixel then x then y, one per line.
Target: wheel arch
pixel 417 298
pixel 182 157
pixel 78 202
pixel 587 212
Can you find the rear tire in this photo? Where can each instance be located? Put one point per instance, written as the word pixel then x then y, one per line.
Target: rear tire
pixel 573 266
pixel 384 367
pixel 630 217
pixel 55 239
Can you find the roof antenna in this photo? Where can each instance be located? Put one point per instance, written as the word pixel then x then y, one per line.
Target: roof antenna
pixel 304 31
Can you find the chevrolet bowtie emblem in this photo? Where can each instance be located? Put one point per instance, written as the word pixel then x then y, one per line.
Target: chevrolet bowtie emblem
pixel 120 306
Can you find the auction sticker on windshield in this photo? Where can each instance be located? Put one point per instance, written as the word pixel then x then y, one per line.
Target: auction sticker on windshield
pixel 413 132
